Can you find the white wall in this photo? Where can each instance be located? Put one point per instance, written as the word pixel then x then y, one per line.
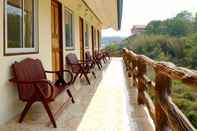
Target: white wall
pixel 10 104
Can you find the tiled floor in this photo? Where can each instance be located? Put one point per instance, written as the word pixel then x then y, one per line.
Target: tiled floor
pixel 109 104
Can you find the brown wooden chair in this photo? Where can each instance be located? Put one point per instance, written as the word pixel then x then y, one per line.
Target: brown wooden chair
pixel 106 55
pixel 33 86
pixel 78 67
pixel 92 62
pixel 98 57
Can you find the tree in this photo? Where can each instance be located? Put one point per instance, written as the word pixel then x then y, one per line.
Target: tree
pixel 195 23
pixel 153 27
pixel 178 26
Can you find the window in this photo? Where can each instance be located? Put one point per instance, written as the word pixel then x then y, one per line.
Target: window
pixel 69 30
pixel 86 35
pixel 94 35
pixel 98 38
pixel 21 33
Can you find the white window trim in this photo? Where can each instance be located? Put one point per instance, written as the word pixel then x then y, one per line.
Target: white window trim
pixel 15 51
pixel 73 37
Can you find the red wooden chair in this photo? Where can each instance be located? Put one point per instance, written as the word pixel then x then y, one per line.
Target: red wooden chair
pixel 98 58
pixel 33 86
pixel 78 67
pixel 92 62
pixel 105 55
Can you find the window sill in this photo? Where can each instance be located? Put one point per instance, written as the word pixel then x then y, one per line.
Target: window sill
pixel 70 48
pixel 20 53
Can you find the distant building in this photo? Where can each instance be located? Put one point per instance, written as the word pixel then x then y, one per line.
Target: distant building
pixel 137 29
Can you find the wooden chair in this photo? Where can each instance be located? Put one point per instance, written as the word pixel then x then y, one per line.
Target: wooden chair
pixel 33 86
pixel 98 58
pixel 78 67
pixel 106 55
pixel 92 62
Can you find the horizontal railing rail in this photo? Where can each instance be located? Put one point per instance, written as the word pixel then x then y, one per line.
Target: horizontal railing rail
pixel 165 114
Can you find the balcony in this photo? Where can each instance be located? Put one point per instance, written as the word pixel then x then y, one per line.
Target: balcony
pixel 109 104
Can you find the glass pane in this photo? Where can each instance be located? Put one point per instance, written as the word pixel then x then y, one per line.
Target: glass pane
pixel 86 36
pixel 14 23
pixel 68 29
pixel 94 37
pixel 28 23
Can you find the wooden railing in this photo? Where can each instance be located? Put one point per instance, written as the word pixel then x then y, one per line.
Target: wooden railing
pixel 165 114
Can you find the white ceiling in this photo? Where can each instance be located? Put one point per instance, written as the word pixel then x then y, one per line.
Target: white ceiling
pixel 106 10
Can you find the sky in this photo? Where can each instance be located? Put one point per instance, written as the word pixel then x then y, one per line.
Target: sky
pixel 141 12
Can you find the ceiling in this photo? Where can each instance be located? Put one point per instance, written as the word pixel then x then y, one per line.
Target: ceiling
pixel 106 10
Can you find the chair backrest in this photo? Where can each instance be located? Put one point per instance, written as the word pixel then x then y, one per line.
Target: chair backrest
pixel 29 70
pixel 73 62
pixel 98 55
pixel 88 56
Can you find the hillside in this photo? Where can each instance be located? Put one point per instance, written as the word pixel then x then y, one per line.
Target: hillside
pixel 108 40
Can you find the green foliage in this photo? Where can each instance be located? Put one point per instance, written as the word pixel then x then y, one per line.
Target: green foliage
pixel 114 49
pixel 159 47
pixel 193 117
pixel 182 51
pixel 178 26
pixel 186 99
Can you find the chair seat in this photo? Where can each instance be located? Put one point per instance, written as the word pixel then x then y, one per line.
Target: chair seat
pixel 58 89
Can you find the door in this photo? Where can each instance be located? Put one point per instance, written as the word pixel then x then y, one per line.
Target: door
pixel 92 34
pixel 56 27
pixel 81 32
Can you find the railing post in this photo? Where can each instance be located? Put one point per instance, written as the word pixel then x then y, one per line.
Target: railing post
pixel 141 70
pixel 162 91
pixel 134 71
pixel 126 60
pixel 167 114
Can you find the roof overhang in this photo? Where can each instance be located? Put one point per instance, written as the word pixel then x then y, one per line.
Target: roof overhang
pixel 108 11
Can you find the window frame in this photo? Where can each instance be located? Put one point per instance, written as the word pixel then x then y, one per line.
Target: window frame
pixel 72 29
pixel 35 32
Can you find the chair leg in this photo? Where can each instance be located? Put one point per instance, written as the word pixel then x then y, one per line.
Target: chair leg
pixel 98 65
pixel 71 96
pixel 87 79
pixel 26 109
pixel 80 75
pixel 93 74
pixel 104 60
pixel 75 77
pixel 46 106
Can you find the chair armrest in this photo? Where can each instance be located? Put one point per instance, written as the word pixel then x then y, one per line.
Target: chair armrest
pixel 82 61
pixel 55 72
pixel 60 77
pixel 35 83
pixel 74 64
pixel 29 81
